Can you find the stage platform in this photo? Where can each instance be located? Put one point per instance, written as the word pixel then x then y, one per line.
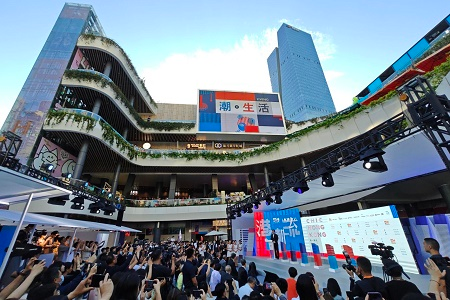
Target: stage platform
pixel 322 274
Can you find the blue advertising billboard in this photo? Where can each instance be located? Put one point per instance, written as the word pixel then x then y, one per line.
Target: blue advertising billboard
pixel 240 112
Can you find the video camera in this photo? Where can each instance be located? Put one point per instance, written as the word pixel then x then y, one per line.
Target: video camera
pixel 385 252
pixel 348 260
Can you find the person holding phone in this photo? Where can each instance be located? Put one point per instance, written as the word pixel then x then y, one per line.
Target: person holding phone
pixel 368 283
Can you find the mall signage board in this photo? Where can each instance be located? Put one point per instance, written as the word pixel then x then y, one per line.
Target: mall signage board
pixel 240 113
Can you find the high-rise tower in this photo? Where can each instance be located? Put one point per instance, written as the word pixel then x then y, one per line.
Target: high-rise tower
pixel 296 73
pixel 30 109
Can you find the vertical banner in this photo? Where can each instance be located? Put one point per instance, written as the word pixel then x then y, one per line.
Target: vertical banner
pixel 286 224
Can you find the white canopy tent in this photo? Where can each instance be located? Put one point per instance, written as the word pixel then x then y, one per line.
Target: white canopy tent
pixel 9 217
pixel 17 187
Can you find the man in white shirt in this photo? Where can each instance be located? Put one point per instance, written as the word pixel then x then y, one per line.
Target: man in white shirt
pixel 247 288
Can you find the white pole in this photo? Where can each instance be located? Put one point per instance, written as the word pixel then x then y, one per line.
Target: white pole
pixel 32 234
pixel 71 240
pixel 16 233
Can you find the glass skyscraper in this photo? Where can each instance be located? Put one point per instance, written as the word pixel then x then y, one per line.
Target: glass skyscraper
pixel 296 74
pixel 30 109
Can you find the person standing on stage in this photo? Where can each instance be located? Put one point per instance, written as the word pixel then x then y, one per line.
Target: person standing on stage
pixel 274 239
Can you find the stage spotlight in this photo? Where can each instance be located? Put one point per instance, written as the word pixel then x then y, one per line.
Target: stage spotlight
pixel 61 200
pixel 66 175
pixel 78 203
pixel 95 207
pixel 268 199
pixel 249 210
pixel 301 187
pixel 48 167
pixel 278 199
pixel 232 217
pixel 327 180
pixel 238 214
pixel 374 166
pixel 256 206
pixel 109 209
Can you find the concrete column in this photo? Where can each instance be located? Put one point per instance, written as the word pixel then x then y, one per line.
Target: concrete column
pixel 172 186
pixel 252 180
pixel 205 190
pixel 362 205
pixel 129 185
pixel 125 133
pixel 215 182
pixel 108 68
pixel 81 159
pixel 444 190
pixel 158 189
pixel 97 104
pixel 115 180
pixel 266 176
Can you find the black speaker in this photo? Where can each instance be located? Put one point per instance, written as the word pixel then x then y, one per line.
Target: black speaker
pixel 156 235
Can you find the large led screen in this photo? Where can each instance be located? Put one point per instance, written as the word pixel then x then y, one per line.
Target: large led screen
pixel 355 231
pixel 240 112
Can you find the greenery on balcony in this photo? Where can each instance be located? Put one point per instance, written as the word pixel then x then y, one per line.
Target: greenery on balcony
pixel 113 138
pixel 161 126
pixel 109 42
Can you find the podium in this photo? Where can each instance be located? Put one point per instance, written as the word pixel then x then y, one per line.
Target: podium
pixel 272 252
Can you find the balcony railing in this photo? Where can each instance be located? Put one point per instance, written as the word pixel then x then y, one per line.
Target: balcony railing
pixel 173 202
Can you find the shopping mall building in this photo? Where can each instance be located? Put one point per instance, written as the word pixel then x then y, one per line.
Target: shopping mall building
pixel 85 111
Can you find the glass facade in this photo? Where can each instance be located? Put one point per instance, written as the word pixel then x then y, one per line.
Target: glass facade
pixel 296 73
pixel 28 113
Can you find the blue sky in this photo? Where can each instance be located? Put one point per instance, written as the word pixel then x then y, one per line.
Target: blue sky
pixel 181 46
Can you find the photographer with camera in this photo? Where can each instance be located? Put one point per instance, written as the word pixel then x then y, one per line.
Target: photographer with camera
pixel 397 287
pixel 111 261
pixel 368 282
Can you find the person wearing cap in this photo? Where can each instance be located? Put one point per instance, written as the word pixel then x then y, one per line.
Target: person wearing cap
pixel 397 287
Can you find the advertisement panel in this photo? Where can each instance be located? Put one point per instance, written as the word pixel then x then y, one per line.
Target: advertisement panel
pixel 240 112
pixel 50 153
pixel 355 231
pixel 286 224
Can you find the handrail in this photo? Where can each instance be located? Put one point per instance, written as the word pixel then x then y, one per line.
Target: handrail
pixel 98 118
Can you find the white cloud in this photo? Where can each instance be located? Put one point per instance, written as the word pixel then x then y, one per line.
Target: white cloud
pixel 242 68
pixel 331 75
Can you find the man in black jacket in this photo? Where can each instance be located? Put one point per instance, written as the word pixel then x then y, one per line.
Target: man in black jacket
pixel 274 239
pixel 242 273
pixel 232 263
pixel 432 246
pixel 368 283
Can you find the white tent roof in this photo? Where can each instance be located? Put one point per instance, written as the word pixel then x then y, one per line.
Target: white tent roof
pixel 17 187
pixel 12 217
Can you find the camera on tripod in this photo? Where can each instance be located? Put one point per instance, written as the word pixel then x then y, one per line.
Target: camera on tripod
pixel 380 249
pixel 348 266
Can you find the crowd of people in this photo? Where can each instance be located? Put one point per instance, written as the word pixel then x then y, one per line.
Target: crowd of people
pixel 196 270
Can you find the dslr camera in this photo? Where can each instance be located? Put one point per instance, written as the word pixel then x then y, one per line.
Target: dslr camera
pixel 380 249
pixel 348 265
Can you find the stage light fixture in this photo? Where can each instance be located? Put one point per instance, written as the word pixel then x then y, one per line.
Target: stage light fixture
pixel 278 199
pixel 232 217
pixel 327 180
pixel 238 214
pixel 301 187
pixel 78 203
pixel 256 206
pixel 375 166
pixel 96 206
pixel 109 209
pixel 61 200
pixel 368 155
pixel 66 175
pixel 249 210
pixel 48 167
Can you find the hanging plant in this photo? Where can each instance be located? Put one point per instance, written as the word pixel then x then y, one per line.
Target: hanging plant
pixel 109 42
pixel 101 81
